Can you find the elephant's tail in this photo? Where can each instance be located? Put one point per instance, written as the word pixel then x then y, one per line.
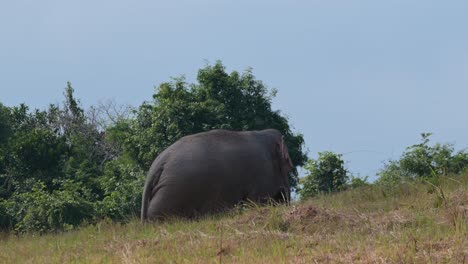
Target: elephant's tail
pixel 151 182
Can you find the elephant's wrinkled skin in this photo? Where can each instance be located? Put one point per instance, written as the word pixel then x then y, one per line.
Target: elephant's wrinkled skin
pixel 214 170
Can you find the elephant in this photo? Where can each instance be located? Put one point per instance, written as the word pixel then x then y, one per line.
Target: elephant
pixel 213 171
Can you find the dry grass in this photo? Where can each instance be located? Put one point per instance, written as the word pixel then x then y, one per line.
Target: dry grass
pixel 412 223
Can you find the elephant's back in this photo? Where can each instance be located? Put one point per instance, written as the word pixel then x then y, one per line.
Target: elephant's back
pixel 219 146
pixel 218 159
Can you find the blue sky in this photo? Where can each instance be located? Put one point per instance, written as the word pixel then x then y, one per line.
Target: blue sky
pixel 363 78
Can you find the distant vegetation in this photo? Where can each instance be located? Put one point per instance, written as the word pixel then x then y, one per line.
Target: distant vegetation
pixel 424 161
pixel 421 161
pixel 64 166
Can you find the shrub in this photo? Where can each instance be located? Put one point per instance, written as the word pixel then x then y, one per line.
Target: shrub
pixel 356 182
pixel 123 186
pixel 40 211
pixel 5 218
pixel 326 174
pixel 422 160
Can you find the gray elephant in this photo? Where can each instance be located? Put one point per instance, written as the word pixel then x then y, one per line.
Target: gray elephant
pixel 215 170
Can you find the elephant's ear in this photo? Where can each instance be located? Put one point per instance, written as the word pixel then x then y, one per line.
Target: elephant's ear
pixel 284 154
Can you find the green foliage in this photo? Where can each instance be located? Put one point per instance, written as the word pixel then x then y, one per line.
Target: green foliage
pixel 5 132
pixel 326 174
pixel 72 108
pixel 422 160
pixel 55 144
pixel 356 182
pixel 5 125
pixel 391 174
pixel 218 101
pixel 40 211
pixel 34 153
pixel 5 219
pixel 50 166
pixel 122 183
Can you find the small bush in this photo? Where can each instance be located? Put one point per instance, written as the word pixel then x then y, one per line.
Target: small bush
pixel 326 174
pixel 356 182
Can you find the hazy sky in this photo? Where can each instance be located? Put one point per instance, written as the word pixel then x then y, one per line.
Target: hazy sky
pixel 363 78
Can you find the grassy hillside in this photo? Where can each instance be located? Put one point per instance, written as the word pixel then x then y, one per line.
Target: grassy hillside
pixel 411 223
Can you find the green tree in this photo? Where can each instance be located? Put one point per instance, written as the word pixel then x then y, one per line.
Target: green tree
pixel 5 133
pixel 5 126
pixel 89 149
pixel 326 174
pixel 56 149
pixel 219 100
pixel 31 152
pixel 418 159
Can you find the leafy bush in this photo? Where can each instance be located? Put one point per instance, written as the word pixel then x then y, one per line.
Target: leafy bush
pixel 5 218
pixel 422 160
pixel 123 186
pixel 41 211
pixel 391 174
pixel 35 153
pixel 326 174
pixel 356 182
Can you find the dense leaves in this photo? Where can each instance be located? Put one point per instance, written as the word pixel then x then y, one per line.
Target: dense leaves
pixel 39 210
pixel 122 184
pixel 326 174
pixel 53 169
pixel 422 160
pixel 5 126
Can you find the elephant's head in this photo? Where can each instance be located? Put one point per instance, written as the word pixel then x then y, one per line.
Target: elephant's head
pixel 285 160
pixel 285 167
